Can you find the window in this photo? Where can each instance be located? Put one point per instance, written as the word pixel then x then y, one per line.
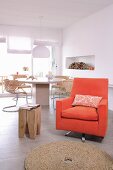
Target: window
pixel 17 57
pixel 41 66
pixel 15 54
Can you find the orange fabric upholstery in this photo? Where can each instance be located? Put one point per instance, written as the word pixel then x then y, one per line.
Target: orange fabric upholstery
pixel 84 119
pixel 80 112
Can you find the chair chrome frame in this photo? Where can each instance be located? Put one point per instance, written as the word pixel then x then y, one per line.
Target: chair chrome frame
pixel 14 87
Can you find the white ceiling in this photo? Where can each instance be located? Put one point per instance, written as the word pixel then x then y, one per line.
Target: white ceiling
pixel 56 13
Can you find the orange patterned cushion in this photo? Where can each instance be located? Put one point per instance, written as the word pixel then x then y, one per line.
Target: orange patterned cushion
pixel 86 100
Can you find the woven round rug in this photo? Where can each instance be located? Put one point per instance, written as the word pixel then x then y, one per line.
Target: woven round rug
pixel 67 155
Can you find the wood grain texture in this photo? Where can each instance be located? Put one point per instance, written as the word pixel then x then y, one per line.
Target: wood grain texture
pixel 29 122
pixel 22 122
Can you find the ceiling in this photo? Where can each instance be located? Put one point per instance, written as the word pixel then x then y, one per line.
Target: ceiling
pixel 56 13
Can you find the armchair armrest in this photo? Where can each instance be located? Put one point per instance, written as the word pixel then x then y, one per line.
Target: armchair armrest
pixel 61 105
pixel 64 103
pixel 103 106
pixel 103 102
pixel 103 116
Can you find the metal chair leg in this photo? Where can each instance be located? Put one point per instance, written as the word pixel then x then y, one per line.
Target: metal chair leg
pixel 16 99
pixel 12 106
pixel 7 107
pixel 26 99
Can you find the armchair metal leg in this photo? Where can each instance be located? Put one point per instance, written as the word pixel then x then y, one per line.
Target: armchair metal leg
pixel 67 133
pixel 100 139
pixel 83 137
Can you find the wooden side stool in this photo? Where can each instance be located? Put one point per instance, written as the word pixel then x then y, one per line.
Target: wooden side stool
pixel 29 120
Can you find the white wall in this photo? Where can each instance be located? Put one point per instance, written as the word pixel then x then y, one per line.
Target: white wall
pixel 34 32
pixel 92 36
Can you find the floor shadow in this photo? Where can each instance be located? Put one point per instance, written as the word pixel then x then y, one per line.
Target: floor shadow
pixel 87 137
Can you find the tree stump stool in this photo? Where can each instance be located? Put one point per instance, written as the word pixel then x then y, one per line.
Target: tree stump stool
pixel 29 120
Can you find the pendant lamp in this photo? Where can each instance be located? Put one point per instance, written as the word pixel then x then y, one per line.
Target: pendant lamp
pixel 40 50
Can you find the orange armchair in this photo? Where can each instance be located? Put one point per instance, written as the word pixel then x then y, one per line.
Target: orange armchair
pixel 83 119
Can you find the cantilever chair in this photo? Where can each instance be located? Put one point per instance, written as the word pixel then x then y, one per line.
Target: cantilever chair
pixel 26 85
pixel 2 82
pixel 57 89
pixel 58 86
pixel 83 116
pixel 17 88
pixel 64 90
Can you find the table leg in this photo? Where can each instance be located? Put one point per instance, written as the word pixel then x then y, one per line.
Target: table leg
pixel 40 94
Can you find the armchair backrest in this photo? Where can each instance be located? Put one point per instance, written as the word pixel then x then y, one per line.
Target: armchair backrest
pixel 90 86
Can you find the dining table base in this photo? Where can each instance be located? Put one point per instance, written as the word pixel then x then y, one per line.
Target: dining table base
pixel 40 94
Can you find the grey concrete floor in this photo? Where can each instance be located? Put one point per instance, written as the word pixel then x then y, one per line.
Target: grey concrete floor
pixel 14 150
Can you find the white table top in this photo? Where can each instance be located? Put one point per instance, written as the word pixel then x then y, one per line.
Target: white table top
pixel 45 80
pixel 40 80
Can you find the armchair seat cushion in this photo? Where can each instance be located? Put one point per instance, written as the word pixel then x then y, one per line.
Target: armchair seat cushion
pixel 81 113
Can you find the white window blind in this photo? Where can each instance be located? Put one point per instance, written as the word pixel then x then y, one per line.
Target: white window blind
pixel 2 39
pixel 19 45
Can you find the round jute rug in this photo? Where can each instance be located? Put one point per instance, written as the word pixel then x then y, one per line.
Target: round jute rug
pixel 67 155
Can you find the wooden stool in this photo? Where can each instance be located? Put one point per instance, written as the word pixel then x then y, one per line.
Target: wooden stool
pixel 29 120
